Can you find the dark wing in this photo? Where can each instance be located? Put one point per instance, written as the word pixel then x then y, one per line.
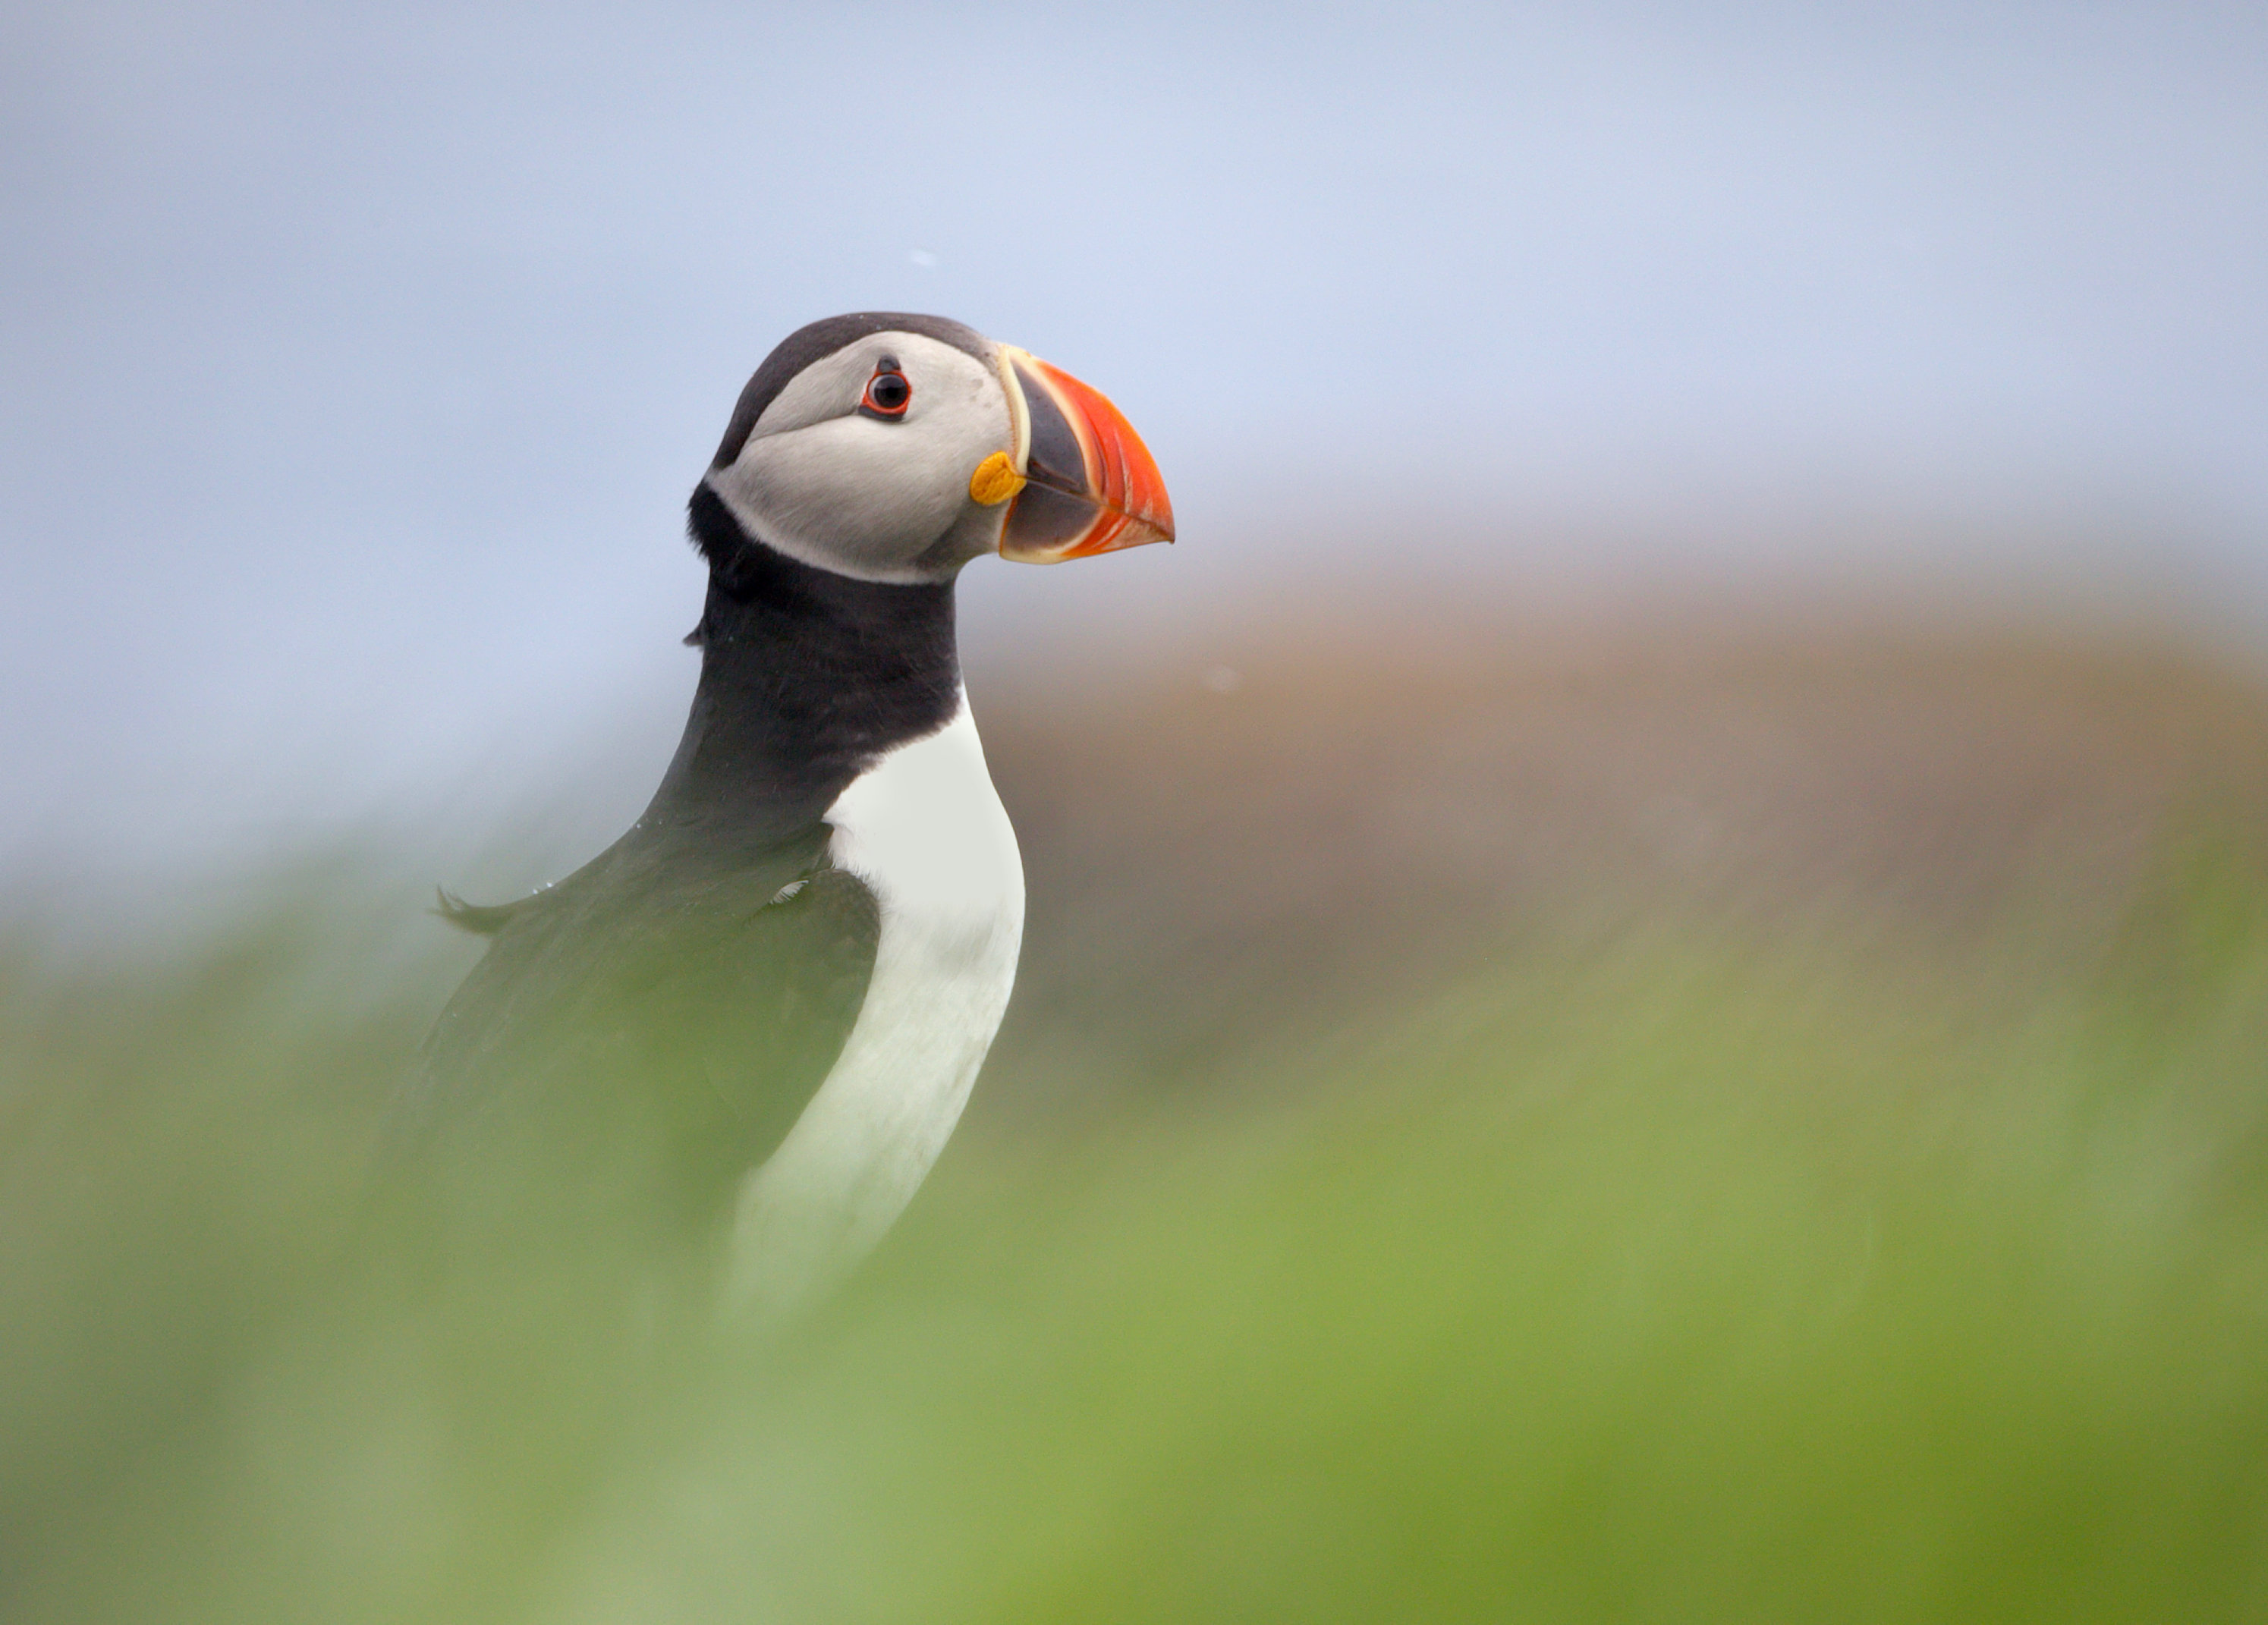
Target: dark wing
pixel 480 919
pixel 656 1023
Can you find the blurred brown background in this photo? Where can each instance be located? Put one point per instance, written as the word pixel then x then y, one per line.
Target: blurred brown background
pixel 1225 856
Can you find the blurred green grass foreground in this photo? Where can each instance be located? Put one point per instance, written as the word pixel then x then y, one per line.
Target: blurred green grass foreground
pixel 1761 1130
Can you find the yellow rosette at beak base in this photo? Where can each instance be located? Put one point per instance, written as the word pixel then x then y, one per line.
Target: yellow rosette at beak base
pixel 995 481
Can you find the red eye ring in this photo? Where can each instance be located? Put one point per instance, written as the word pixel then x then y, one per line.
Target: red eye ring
pixel 887 395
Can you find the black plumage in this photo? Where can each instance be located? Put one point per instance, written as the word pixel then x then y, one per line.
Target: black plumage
pixel 670 1008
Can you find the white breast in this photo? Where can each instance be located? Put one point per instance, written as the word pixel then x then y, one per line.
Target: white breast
pixel 923 830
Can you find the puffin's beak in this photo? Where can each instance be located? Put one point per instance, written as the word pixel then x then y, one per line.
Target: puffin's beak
pixel 1086 484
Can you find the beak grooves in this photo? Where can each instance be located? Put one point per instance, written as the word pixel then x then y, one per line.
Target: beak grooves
pixel 1115 498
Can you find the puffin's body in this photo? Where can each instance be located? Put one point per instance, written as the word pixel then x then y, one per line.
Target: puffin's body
pixel 769 999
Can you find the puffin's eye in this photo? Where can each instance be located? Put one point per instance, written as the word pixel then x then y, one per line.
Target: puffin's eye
pixel 887 393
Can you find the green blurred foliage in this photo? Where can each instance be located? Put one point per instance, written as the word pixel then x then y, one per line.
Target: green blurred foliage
pixel 1673 1277
pixel 1777 1139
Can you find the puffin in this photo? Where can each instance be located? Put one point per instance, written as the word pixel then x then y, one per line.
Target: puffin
pixel 749 1026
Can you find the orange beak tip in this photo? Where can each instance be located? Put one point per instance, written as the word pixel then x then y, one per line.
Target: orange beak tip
pixel 1122 485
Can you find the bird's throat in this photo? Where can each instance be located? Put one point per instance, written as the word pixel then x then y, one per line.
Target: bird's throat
pixel 806 676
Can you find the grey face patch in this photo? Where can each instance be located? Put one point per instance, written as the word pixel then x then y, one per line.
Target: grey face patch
pixel 878 497
pixel 820 339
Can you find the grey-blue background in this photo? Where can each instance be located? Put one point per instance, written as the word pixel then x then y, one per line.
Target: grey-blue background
pixel 359 359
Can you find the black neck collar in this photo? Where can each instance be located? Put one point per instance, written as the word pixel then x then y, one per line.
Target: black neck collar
pixel 806 676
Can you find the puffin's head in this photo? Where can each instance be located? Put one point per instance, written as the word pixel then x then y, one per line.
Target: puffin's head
pixel 897 448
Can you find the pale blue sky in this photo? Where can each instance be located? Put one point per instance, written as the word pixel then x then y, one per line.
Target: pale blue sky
pixel 360 360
